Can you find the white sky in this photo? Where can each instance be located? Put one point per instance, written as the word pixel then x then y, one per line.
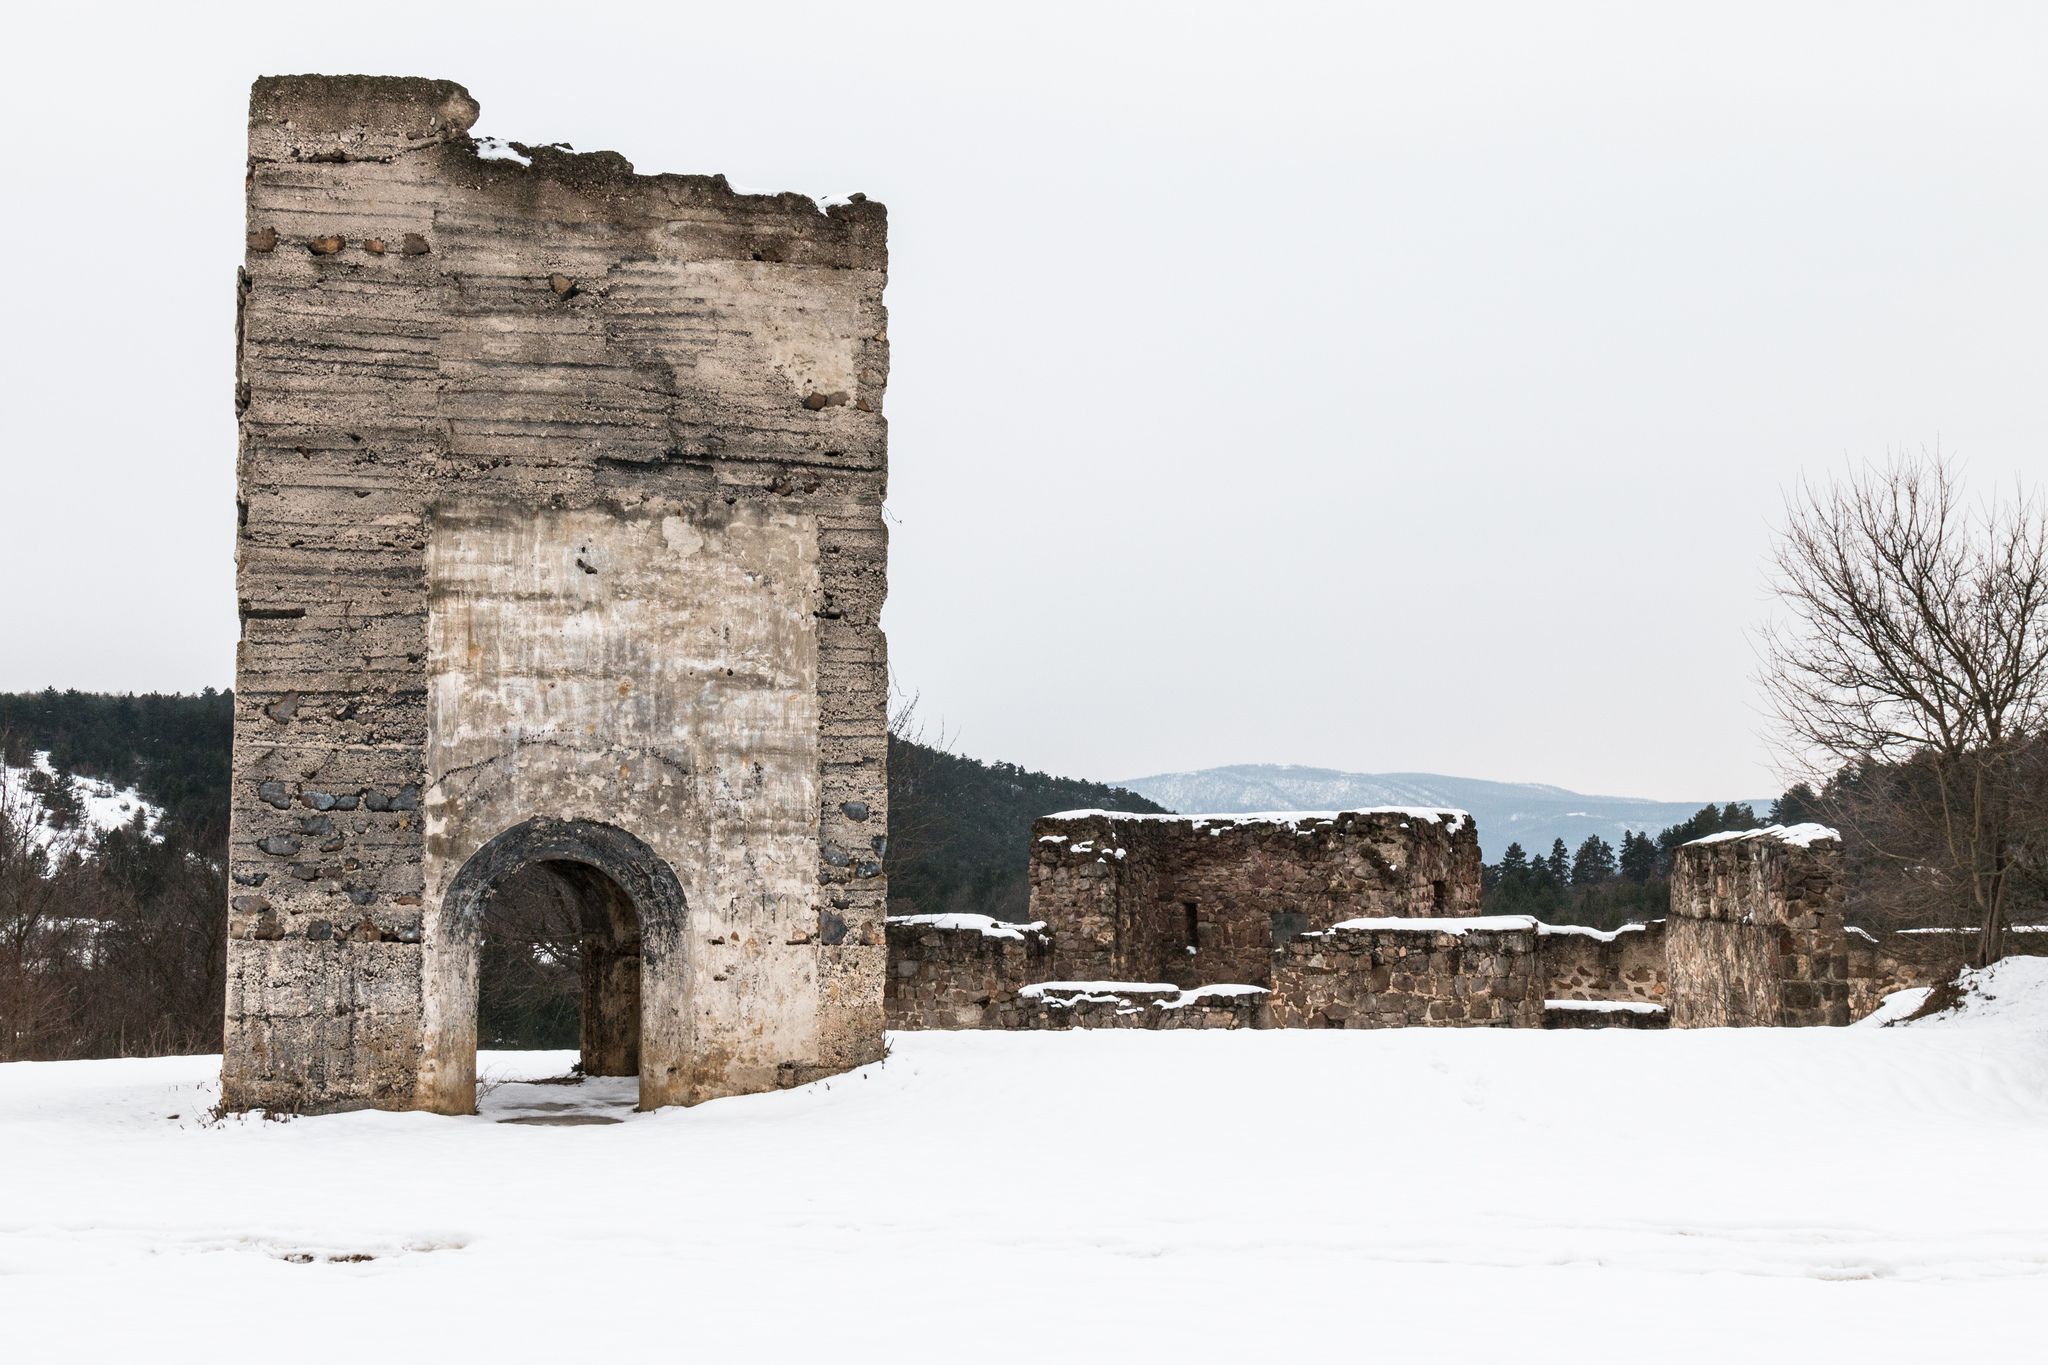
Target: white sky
pixel 1374 387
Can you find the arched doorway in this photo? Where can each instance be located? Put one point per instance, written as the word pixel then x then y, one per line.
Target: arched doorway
pixel 559 966
pixel 625 910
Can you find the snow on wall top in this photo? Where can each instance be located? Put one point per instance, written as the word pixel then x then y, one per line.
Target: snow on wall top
pixel 1798 836
pixel 1453 819
pixel 960 921
pixel 1587 931
pixel 1134 994
pixel 1605 1006
pixel 1495 924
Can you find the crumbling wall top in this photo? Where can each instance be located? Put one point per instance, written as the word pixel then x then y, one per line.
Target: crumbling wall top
pixel 344 119
pixel 1793 836
pixel 1293 819
pixel 354 118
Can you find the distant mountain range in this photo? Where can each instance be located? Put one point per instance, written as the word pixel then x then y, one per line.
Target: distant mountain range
pixel 1529 813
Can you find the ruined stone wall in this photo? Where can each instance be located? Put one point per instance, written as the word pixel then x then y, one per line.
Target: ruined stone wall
pixel 960 971
pixel 1586 964
pixel 1881 964
pixel 1584 1014
pixel 1121 892
pixel 1756 935
pixel 1129 1004
pixel 1388 973
pixel 559 495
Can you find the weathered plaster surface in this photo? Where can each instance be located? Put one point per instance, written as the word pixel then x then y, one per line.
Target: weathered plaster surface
pixel 655 669
pixel 455 375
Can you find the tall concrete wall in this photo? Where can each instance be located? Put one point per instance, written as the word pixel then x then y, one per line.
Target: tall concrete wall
pixel 560 500
pixel 1128 896
pixel 1756 935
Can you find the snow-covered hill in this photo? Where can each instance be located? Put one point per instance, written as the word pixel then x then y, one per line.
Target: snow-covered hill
pixel 1417 1194
pixel 62 811
pixel 1508 812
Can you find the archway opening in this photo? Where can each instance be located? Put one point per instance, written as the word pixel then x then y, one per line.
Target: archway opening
pixel 564 933
pixel 559 966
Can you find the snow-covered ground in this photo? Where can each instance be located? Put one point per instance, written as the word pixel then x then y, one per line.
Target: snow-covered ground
pixel 1866 1194
pixel 101 806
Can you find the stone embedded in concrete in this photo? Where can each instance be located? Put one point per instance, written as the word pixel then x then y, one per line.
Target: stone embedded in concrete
pixel 511 551
pixel 1195 899
pixel 1756 934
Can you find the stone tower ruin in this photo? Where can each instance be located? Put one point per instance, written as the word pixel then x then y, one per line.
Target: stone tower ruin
pixel 560 562
pixel 1757 930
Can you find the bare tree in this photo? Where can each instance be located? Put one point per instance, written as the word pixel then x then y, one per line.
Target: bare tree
pixel 35 930
pixel 1914 665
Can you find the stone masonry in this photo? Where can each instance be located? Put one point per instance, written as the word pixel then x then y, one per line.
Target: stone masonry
pixel 1756 935
pixel 958 971
pixel 1392 973
pixel 1189 900
pixel 1625 964
pixel 1921 957
pixel 560 553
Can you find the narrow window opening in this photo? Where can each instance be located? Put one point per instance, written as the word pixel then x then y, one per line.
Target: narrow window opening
pixel 1194 926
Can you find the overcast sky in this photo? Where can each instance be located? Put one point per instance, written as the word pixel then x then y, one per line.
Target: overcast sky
pixel 1399 387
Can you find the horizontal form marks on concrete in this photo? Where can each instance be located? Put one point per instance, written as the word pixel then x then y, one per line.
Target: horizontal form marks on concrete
pixel 560 500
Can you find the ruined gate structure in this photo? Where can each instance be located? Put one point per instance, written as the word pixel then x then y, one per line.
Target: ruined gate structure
pixel 560 562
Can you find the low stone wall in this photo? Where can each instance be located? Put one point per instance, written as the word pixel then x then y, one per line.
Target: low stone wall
pixel 1589 964
pixel 957 971
pixel 1390 973
pixel 1881 964
pixel 969 971
pixel 1189 899
pixel 1756 935
pixel 1130 1004
pixel 1604 1014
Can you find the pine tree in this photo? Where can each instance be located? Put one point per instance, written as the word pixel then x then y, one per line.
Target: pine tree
pixel 1560 861
pixel 1798 806
pixel 1516 859
pixel 1593 863
pixel 1638 857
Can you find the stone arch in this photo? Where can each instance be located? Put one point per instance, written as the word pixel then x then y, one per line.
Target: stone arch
pixel 634 910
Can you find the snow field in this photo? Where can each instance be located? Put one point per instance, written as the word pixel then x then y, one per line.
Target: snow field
pixel 102 806
pixel 1405 1194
